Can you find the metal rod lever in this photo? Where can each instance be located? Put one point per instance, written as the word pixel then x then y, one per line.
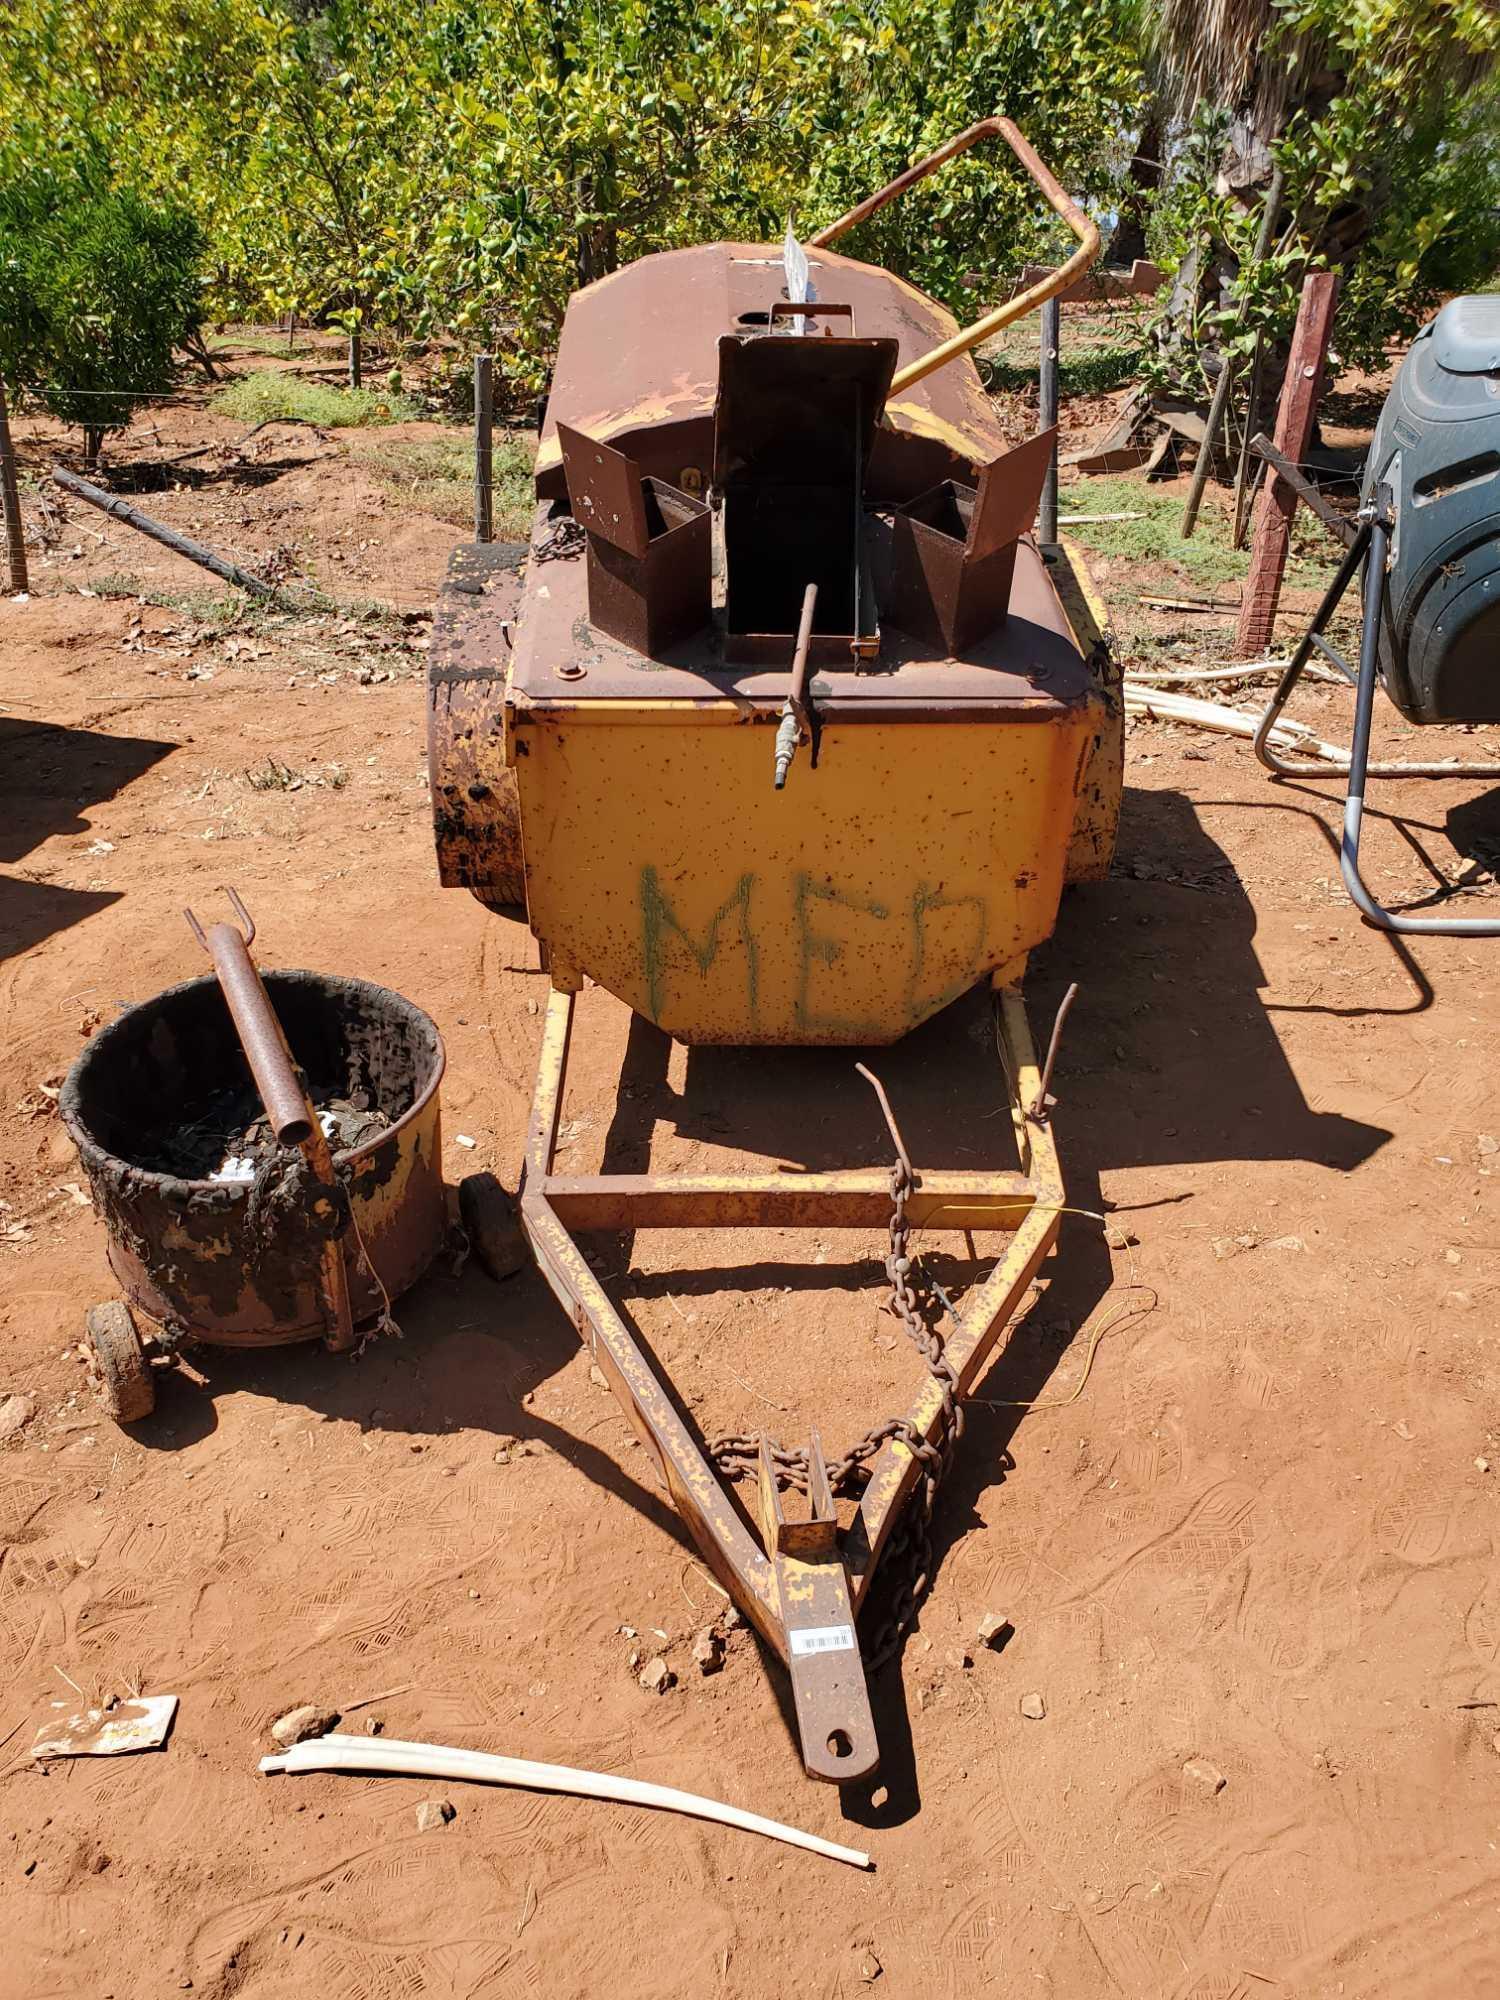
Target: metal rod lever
pixel 286 1103
pixel 796 719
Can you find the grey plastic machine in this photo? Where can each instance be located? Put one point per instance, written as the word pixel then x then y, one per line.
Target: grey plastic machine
pixel 1428 542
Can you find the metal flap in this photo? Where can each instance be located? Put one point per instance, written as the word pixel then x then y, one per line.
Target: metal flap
pixel 1010 489
pixel 604 491
pixel 798 409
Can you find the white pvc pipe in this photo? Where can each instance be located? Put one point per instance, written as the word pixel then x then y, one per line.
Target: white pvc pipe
pixel 1166 706
pixel 433 1760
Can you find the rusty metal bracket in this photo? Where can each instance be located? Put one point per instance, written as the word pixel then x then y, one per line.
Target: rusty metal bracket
pixel 796 1581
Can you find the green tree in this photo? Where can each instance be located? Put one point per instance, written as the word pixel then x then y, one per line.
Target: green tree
pixel 1382 117
pixel 97 289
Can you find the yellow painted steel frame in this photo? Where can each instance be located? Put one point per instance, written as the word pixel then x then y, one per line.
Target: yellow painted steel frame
pixel 1027 1203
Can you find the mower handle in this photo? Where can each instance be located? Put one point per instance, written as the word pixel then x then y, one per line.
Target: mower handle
pixel 1057 281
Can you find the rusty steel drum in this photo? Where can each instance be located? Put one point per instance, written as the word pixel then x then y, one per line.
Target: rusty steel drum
pixel 236 1264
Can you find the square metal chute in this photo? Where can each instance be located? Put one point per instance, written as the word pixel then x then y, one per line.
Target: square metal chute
pixel 954 548
pixel 794 425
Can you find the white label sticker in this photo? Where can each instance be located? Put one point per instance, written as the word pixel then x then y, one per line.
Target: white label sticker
pixel 823 1639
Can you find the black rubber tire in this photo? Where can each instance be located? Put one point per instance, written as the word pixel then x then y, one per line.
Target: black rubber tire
pixel 490 1222
pixel 122 1374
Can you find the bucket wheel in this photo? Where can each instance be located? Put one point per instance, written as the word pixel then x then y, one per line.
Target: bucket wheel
pixel 492 1226
pixel 122 1374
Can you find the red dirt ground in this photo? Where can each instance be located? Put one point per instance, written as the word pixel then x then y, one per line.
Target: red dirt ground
pixel 1259 1531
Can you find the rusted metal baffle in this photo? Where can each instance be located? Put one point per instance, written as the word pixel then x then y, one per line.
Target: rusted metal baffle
pixel 817 1612
pixel 796 724
pixel 954 549
pixel 292 1117
pixel 649 547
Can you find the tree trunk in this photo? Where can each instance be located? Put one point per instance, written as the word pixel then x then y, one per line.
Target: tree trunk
pixel 1129 239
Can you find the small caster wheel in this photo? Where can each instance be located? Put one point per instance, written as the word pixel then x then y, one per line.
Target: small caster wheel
pixel 122 1374
pixel 489 1219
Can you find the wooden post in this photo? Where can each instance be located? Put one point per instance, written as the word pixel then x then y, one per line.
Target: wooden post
pixel 356 375
pixel 1048 398
pixel 1294 424
pixel 10 494
pixel 484 447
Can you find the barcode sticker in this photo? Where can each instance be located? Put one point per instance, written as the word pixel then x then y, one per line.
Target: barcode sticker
pixel 823 1639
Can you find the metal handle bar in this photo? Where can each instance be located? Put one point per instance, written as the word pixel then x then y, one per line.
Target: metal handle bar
pixel 255 1023
pixel 1057 281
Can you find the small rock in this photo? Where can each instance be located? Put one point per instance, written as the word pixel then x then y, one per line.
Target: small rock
pixel 658 1677
pixel 502 1458
pixel 1481 1465
pixel 994 1630
pixel 1198 1771
pixel 1488 1144
pixel 432 1814
pixel 374 1726
pixel 961 1659
pixel 1033 1707
pixel 298 1724
pixel 1286 1243
pixel 734 1619
pixel 16 1412
pixel 708 1652
pixel 869 1968
pixel 463 1139
pixel 1495 1742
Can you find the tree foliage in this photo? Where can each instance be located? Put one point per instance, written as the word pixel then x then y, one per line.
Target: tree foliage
pixel 457 168
pixel 1382 115
pixel 97 289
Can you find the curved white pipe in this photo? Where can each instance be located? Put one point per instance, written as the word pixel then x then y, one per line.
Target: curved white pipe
pixel 434 1760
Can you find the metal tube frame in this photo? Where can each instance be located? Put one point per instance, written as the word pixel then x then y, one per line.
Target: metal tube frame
pixel 791 1589
pixel 1370 547
pixel 1061 203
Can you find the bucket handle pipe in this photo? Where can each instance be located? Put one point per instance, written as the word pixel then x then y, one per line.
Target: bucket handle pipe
pixel 1024 302
pixel 287 1107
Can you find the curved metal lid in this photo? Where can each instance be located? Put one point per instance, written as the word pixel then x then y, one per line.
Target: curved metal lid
pixel 639 352
pixel 1466 335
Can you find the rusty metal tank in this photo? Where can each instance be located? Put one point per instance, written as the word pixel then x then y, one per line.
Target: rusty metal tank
pixel 714 447
pixel 235 1263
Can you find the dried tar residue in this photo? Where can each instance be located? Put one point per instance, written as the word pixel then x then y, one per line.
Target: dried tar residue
pixel 232 1127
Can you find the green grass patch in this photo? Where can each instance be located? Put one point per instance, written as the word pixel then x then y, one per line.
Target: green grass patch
pixel 1196 567
pixel 253 398
pixel 1093 373
pixel 436 476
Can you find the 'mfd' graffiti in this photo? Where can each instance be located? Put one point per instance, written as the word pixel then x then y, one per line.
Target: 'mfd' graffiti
pixel 929 944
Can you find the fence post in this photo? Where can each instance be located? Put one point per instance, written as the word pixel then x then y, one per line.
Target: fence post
pixel 15 537
pixel 1277 502
pixel 484 447
pixel 356 371
pixel 1048 397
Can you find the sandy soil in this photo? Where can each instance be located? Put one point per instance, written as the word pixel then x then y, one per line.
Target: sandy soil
pixel 1258 1532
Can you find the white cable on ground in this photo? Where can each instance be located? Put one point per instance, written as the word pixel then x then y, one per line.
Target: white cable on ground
pixel 375 1754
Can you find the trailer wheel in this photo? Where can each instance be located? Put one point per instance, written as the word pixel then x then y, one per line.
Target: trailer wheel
pixel 490 1222
pixel 122 1374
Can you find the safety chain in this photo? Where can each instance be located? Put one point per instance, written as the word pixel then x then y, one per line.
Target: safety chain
pixel 563 540
pixel 738 1455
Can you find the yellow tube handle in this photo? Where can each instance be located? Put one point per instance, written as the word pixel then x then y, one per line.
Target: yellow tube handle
pixel 1025 302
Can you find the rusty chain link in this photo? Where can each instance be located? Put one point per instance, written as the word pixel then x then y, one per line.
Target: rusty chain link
pixel 737 1455
pixel 562 541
